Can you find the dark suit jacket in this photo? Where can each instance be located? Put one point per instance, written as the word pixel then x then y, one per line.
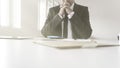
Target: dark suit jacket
pixel 81 28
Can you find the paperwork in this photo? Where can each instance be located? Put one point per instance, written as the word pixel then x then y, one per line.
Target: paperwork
pixel 67 43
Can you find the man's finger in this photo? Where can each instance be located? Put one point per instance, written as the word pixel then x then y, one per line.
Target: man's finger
pixel 66 4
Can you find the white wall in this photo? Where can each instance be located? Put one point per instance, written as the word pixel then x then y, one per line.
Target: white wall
pixel 104 17
pixel 30 17
pixel 29 21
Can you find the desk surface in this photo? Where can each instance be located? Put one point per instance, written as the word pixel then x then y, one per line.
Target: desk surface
pixel 26 54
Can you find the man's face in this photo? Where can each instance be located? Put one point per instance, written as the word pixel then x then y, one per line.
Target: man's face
pixel 68 1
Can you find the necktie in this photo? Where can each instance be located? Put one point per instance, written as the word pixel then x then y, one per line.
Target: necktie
pixel 65 26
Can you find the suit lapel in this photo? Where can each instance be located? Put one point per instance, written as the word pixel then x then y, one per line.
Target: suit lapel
pixel 77 8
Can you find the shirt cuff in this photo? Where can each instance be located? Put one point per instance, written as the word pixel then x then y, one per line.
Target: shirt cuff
pixel 71 14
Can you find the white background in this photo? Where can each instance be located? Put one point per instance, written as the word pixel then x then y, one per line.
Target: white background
pixel 104 18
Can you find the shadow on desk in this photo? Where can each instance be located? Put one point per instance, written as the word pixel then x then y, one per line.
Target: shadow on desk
pixel 99 46
pixel 78 47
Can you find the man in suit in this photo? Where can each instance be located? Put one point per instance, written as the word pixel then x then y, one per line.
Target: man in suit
pixel 68 20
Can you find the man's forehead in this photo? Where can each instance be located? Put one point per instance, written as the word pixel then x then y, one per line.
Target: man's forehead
pixel 64 0
pixel 61 1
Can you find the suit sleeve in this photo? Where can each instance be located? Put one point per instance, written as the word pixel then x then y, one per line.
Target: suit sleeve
pixel 52 21
pixel 81 24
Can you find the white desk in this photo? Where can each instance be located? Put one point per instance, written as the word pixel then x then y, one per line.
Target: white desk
pixel 25 54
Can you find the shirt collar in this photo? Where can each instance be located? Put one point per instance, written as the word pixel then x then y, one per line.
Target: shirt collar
pixel 72 6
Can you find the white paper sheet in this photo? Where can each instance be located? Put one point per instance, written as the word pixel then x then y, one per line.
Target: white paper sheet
pixel 67 43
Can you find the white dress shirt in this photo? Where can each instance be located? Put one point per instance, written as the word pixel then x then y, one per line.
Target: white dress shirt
pixel 69 36
pixel 69 24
